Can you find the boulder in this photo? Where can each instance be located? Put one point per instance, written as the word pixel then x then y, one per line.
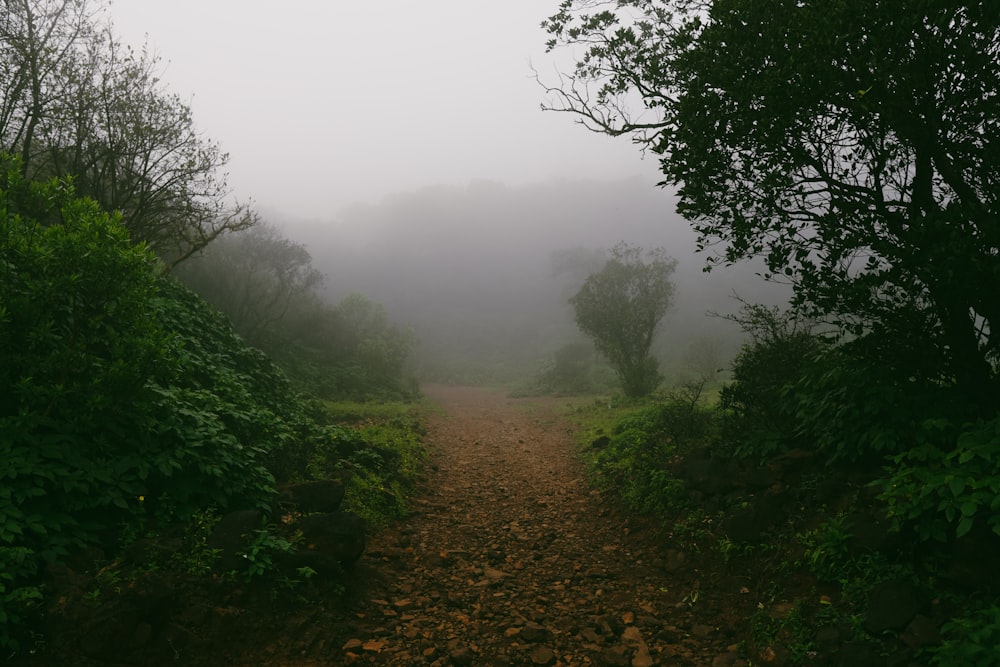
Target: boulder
pixel 333 539
pixel 891 606
pixel 231 536
pixel 319 496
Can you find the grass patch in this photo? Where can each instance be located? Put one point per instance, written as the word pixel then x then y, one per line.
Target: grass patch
pixel 378 449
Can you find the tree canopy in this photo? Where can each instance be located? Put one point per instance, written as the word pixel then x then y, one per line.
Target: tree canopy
pixel 854 145
pixel 76 101
pixel 620 306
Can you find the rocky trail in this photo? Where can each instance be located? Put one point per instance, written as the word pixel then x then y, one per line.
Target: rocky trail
pixel 510 559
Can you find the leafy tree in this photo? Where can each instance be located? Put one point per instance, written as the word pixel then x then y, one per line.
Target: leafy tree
pixel 373 351
pixel 75 101
pixel 620 306
pixel 254 277
pixel 852 144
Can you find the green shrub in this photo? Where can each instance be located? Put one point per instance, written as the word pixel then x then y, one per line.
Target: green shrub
pixel 124 399
pixel 635 460
pixel 947 481
pixel 970 640
pixel 756 420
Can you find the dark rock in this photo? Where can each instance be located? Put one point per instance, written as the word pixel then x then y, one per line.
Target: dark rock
pixel 828 638
pixel 614 657
pixel 711 476
pixel 103 638
pixel 337 537
pixel 757 479
pixel 859 654
pixel 750 523
pixel 891 606
pixel 533 632
pixel 973 560
pixel 600 442
pixel 323 496
pixel 461 656
pixel 921 632
pixel 791 461
pixel 868 532
pixel 542 655
pixel 231 536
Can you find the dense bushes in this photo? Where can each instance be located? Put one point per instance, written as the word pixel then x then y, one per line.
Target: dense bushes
pixel 123 397
pixel 633 454
pixel 758 421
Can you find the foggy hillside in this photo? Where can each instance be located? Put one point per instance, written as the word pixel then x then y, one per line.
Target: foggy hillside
pixel 471 268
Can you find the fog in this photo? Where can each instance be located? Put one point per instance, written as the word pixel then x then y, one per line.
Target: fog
pixel 471 269
pixel 403 143
pixel 322 105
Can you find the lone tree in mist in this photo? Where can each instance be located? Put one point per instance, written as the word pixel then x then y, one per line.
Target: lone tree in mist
pixel 620 306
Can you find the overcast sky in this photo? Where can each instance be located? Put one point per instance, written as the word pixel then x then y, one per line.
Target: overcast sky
pixel 325 103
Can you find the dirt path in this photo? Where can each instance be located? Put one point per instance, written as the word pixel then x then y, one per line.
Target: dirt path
pixel 509 558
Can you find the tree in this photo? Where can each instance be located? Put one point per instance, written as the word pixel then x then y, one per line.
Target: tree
pixel 620 306
pixel 854 145
pixel 76 101
pixel 254 277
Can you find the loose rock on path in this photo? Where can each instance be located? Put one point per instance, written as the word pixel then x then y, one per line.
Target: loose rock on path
pixel 509 558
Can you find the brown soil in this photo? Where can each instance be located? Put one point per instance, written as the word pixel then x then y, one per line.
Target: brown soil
pixel 508 558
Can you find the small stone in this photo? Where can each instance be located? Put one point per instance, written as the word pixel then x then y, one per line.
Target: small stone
pixel 533 632
pixel 614 657
pixel 542 655
pixel 374 646
pixel 461 656
pixel 701 631
pixel 352 645
pixel 725 660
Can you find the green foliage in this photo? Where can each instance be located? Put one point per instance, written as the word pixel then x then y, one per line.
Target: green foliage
pixel 971 639
pixel 79 103
pixel 827 549
pixel 19 601
pixel 789 629
pixel 345 352
pixel 379 455
pixel 573 371
pixel 619 308
pixel 844 407
pixel 124 398
pixel 263 552
pixel 195 557
pixel 948 481
pixel 634 457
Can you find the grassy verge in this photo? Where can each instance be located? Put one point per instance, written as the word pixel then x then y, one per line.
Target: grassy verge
pixel 382 460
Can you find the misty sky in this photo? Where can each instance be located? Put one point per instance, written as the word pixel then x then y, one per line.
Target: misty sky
pixel 322 104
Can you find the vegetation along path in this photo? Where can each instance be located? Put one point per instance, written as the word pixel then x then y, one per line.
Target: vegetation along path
pixel 510 559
